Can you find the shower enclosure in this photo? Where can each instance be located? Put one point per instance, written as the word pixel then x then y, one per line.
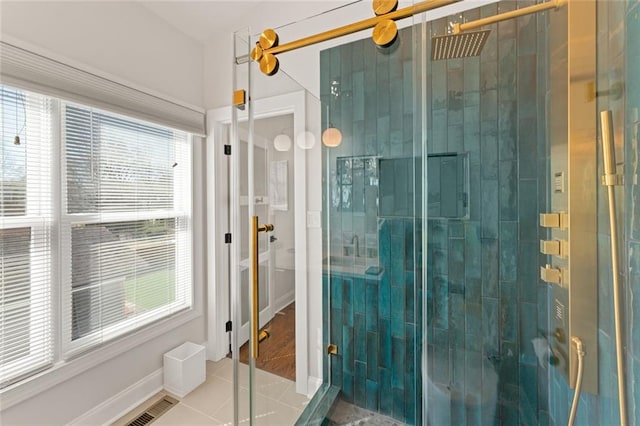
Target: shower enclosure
pixel 449 294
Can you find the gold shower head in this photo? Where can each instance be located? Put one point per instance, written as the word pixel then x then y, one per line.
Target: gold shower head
pixel 460 45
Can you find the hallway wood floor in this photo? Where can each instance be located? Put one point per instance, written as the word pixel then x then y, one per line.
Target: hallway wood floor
pixel 278 352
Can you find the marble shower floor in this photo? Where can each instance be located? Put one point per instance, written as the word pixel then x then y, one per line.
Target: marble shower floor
pixel 344 414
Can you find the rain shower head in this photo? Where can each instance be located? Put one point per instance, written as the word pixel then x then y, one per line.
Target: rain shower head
pixel 461 45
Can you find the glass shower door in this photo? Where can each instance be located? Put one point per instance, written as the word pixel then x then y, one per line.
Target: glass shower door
pixel 272 138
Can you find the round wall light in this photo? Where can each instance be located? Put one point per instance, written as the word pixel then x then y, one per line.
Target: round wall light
pixel 332 137
pixel 282 142
pixel 306 140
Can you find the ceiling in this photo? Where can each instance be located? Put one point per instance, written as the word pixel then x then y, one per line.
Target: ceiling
pixel 204 20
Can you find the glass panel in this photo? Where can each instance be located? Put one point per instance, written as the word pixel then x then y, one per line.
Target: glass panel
pixel 447 162
pixel 120 271
pixel 106 172
pixel 239 218
pixel 372 226
pixel 484 308
pixel 13 156
pixel 16 292
pixel 268 177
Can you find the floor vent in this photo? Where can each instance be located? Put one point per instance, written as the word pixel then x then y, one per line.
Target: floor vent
pixel 153 412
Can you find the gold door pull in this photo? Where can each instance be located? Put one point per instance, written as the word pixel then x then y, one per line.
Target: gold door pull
pixel 255 303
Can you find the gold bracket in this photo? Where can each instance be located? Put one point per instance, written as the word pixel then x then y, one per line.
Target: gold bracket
pixel 264 335
pixel 332 349
pixel 382 7
pixel 385 33
pixel 612 180
pixel 615 91
pixel 240 98
pixel 265 227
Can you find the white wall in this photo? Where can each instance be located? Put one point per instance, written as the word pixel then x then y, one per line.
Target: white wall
pixel 71 399
pixel 130 44
pixel 119 38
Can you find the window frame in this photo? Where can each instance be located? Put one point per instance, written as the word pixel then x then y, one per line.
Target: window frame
pixel 69 346
pixel 41 225
pixel 64 366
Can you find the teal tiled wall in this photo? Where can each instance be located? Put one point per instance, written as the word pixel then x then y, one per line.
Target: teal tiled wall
pixel 485 303
pixel 374 317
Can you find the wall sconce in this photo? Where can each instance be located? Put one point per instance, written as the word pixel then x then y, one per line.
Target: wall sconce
pixel 332 136
pixel 282 142
pixel 306 140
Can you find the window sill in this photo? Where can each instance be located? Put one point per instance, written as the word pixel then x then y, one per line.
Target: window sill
pixel 65 370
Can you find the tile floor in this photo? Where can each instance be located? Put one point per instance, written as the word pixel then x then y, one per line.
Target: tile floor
pixel 211 403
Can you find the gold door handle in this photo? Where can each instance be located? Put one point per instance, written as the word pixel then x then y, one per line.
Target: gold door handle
pixel 255 304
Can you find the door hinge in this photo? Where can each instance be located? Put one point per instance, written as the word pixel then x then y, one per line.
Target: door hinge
pixel 227 326
pixel 227 238
pixel 227 150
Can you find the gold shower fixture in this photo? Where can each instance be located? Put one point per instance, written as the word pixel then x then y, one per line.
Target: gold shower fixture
pixel 541 7
pixel 385 30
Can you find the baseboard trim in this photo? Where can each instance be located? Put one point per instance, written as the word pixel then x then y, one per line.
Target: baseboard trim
pixel 120 404
pixel 284 301
pixel 313 384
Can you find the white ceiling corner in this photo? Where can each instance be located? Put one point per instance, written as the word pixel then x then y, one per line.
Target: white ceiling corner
pixel 204 20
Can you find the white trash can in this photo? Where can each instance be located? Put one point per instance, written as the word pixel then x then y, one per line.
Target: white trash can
pixel 184 369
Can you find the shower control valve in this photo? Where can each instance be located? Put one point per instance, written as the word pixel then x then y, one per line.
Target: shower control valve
pixel 553 247
pixel 551 275
pixel 553 220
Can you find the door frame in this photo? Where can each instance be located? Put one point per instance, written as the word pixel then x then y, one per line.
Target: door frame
pixel 217 217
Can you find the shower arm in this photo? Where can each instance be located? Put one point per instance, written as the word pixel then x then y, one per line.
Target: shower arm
pixel 553 4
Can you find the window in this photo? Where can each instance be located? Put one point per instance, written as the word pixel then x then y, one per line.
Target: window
pixel 25 234
pixel 118 206
pixel 127 221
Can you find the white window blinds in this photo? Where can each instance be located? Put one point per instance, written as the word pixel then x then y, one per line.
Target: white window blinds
pixel 127 222
pixel 95 228
pixel 25 234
